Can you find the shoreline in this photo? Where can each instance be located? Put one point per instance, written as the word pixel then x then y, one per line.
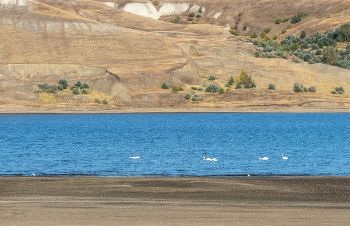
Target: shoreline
pixel 169 110
pixel 175 201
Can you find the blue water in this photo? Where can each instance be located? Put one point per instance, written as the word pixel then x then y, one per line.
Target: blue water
pixel 174 144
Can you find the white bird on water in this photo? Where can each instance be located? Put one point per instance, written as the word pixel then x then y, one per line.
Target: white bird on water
pixel 134 157
pixel 249 175
pixel 33 174
pixel 209 159
pixel 265 158
pixel 284 157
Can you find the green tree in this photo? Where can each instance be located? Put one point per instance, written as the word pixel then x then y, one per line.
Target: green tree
pixel 200 10
pixel 212 88
pixel 278 20
pixel 165 85
pixel 303 34
pixel 63 82
pixel 330 55
pixel 175 89
pixel 253 34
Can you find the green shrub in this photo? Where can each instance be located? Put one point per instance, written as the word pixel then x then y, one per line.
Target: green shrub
pixel 285 19
pixel 221 90
pixel 298 88
pixel 272 86
pixel 266 30
pixel 155 2
pixel 85 86
pixel 253 34
pixel 278 20
pixel 338 39
pixel 339 90
pixel 308 39
pixel 234 32
pixel 46 87
pixel 285 47
pixel 293 38
pixel 249 82
pixel 266 38
pixel 191 14
pixel 318 52
pixel 187 96
pixel 312 89
pixel 273 43
pixel 231 81
pixel 165 85
pixel 60 87
pixel 275 37
pixel 288 26
pixel 314 46
pixel 78 84
pixel 257 54
pixel 175 89
pixel 63 82
pixel 212 78
pixel 330 55
pixel 268 49
pixel 196 97
pixel 244 27
pixel 200 89
pixel 200 10
pixel 331 34
pixel 84 91
pixel 283 31
pixel 333 92
pixel 296 18
pixel 194 88
pixel 75 90
pixel 175 20
pixel 238 85
pixel 198 15
pixel 343 32
pixel 347 47
pixel 304 45
pixel 105 101
pixel 212 88
pixel 303 34
pixel 294 46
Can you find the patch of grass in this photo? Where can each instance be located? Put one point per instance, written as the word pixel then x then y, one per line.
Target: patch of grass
pixel 48 98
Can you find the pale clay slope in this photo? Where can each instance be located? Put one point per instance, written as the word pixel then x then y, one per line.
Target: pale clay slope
pixel 149 10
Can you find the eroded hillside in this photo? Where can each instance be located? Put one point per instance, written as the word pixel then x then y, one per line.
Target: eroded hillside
pixel 125 57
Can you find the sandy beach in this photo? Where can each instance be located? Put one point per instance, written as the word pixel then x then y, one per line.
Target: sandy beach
pixel 174 201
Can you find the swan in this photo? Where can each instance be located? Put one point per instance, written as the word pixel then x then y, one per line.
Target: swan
pixel 284 157
pixel 135 157
pixel 209 159
pixel 265 158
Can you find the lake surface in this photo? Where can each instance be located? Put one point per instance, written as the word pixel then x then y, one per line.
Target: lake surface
pixel 174 144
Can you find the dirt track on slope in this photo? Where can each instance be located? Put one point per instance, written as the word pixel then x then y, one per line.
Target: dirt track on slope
pixel 174 201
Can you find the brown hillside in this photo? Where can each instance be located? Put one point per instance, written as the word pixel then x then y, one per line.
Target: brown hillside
pixel 125 57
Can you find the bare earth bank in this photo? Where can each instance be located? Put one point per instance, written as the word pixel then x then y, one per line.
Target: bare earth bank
pixel 174 201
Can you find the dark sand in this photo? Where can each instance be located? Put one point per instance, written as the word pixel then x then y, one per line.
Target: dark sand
pixel 174 201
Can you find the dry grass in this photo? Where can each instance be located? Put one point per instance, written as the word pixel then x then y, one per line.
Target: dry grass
pixel 142 57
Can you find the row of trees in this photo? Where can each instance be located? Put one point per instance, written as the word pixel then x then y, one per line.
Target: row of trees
pixel 62 84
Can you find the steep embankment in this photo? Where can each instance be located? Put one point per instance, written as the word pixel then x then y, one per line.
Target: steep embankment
pixel 124 57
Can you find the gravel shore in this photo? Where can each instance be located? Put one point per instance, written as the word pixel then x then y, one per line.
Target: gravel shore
pixel 174 201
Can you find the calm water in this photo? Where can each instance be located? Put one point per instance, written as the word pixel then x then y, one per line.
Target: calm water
pixel 174 144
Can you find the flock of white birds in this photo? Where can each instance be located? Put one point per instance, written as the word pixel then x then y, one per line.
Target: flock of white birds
pixel 215 159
